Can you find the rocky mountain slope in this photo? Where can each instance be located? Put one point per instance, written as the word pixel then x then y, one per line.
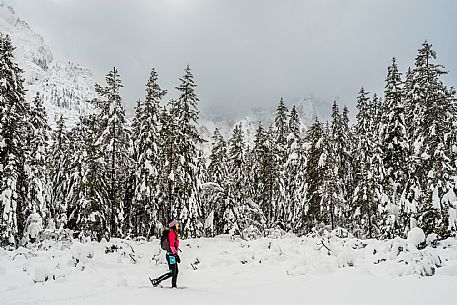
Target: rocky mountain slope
pixel 64 86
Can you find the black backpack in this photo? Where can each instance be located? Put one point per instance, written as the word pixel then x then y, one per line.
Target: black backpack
pixel 164 242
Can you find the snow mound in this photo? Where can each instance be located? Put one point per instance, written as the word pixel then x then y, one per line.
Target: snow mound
pixel 42 274
pixel 416 236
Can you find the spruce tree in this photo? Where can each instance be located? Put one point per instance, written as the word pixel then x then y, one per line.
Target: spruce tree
pixel 59 172
pixel 217 168
pixel 12 137
pixel 281 124
pixel 279 156
pixel 241 211
pixel 37 176
pixel 337 167
pixel 264 172
pixel 332 200
pixel 146 129
pixel 431 105
pixel 188 186
pixel 169 162
pixel 90 210
pixel 394 141
pixel 294 168
pixel 312 216
pixel 113 139
pixel 367 169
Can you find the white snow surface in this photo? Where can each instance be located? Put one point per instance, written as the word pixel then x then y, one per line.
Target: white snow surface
pixel 233 271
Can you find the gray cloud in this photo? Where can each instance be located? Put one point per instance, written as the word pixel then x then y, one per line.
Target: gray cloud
pixel 247 53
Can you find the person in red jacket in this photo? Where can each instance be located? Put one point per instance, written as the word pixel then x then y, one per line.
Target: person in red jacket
pixel 172 256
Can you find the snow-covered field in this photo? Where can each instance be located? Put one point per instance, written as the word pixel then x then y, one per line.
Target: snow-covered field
pixel 308 270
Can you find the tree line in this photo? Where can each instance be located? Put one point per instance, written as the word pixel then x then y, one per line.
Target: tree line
pixel 393 169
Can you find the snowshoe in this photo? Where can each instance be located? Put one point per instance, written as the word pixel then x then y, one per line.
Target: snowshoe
pixel 154 282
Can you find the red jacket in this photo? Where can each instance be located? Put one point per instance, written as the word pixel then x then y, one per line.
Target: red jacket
pixel 174 242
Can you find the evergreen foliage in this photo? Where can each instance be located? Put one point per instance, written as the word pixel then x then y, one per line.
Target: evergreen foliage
pixel 112 137
pixel 13 131
pixel 146 128
pixel 394 169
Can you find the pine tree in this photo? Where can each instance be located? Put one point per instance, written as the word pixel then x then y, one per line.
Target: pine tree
pixel 12 137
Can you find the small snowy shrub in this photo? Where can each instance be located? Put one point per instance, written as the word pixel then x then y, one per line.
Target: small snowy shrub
pixel 34 225
pixel 275 233
pixel 432 240
pixel 251 232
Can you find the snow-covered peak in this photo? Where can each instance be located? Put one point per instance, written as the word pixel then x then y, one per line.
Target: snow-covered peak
pixel 30 46
pixel 64 86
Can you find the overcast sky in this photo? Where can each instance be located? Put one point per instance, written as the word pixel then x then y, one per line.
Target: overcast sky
pixel 247 53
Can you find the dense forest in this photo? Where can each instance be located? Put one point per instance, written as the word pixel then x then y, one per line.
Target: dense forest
pixel 393 169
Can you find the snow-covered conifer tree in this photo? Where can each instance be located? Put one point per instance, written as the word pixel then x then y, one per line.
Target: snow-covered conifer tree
pixel 37 176
pixel 146 129
pixel 188 186
pixel 431 106
pixel 367 169
pixel 113 139
pixel 279 154
pixel 394 142
pixel 217 168
pixel 59 172
pixel 312 215
pixel 12 137
pixel 294 168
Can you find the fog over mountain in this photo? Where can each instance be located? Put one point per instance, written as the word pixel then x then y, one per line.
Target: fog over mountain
pixel 246 54
pixel 66 86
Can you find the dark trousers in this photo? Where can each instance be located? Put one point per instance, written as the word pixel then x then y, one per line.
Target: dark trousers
pixel 172 271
